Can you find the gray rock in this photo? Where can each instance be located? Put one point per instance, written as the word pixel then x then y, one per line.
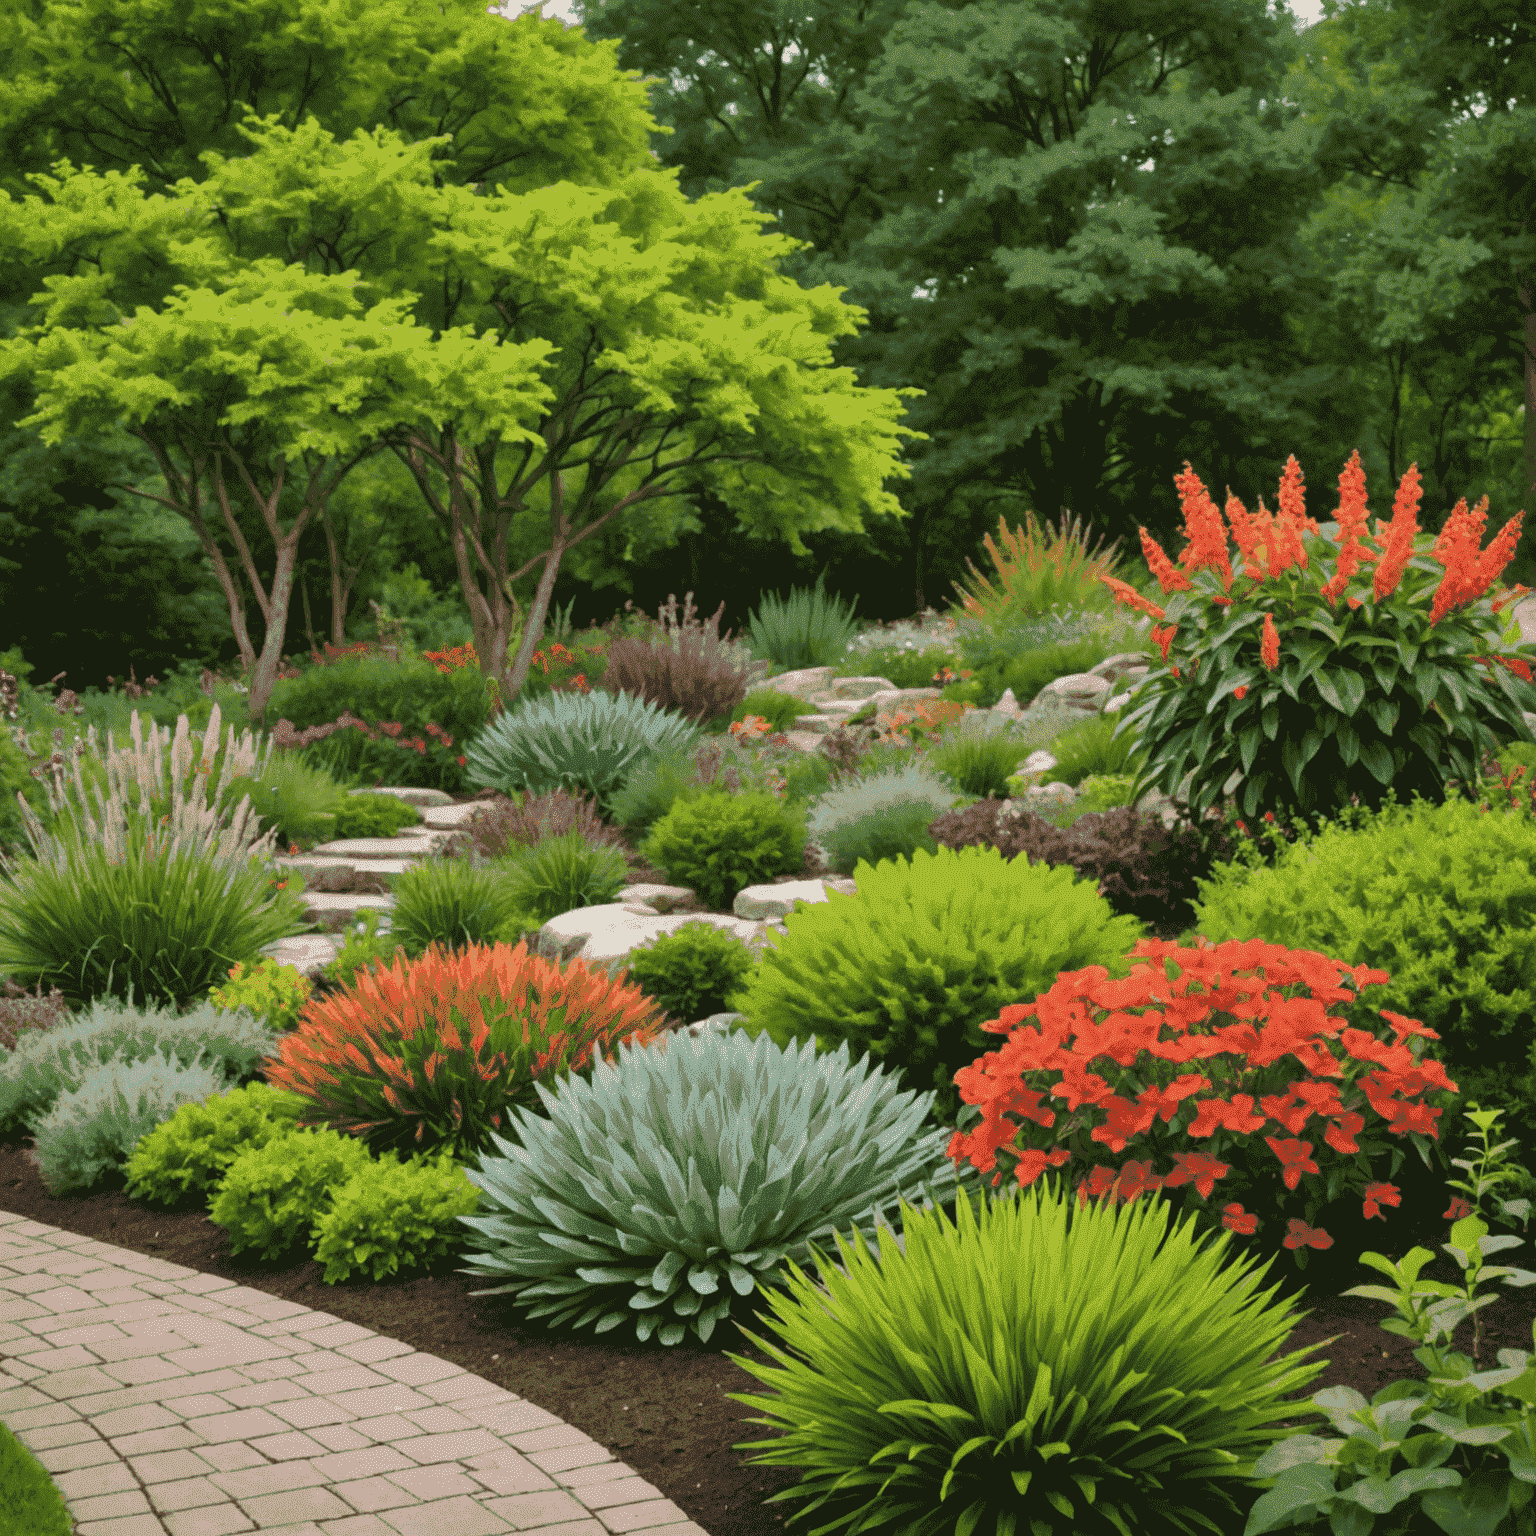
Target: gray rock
pixel 406 846
pixel 1122 665
pixel 372 866
pixel 411 796
pixel 309 952
pixel 1078 690
pixel 660 898
pixel 1039 761
pixel 756 902
pixel 801 683
pixel 605 935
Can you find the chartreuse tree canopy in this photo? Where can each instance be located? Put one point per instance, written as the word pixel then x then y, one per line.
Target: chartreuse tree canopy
pixel 567 352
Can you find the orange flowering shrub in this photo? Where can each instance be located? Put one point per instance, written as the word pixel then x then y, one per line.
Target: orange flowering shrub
pixel 1216 1070
pixel 1323 667
pixel 431 1054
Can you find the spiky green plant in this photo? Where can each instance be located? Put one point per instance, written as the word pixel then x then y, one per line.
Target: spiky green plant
pixel 809 630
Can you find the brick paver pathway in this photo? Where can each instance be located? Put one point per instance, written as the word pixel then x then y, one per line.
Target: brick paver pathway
pixel 169 1403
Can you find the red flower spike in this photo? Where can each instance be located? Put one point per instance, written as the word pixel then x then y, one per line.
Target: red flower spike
pixel 1169 577
pixel 1127 595
pixel 1207 539
pixel 1403 530
pixel 1269 644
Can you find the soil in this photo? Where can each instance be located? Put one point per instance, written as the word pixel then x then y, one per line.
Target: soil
pixel 662 1410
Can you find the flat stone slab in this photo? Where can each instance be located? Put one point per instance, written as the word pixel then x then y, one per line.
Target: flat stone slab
pixel 659 898
pixel 309 953
pixel 411 795
pixel 167 1401
pixel 346 901
pixel 605 935
pixel 372 866
pixel 451 818
pixel 756 902
pixel 405 846
pixel 800 682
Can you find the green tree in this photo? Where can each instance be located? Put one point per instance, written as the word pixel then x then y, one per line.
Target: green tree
pixel 1073 226
pixel 118 83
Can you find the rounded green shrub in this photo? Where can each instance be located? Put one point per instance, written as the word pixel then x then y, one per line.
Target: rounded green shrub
pixel 273 1195
pixel 884 816
pixel 1093 1366
pixel 692 971
pixel 367 815
pixel 276 993
pixel 300 803
pixel 1093 748
pixel 719 843
pixel 781 710
pixel 190 1152
pixel 736 1155
pixel 910 967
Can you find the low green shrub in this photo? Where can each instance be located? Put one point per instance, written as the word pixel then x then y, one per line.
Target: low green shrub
pixel 1030 1347
pixel 1093 748
pixel 274 993
pixel 365 815
pixel 449 901
pixel 719 843
pixel 301 804
pixel 902 666
pixel 880 817
pixel 691 972
pixel 563 873
pixel 811 1145
pixel 190 1152
pixel 392 1217
pixel 272 1195
pixel 910 967
pixel 46 1064
pixel 586 741
pixel 979 755
pixel 1106 791
pixel 89 1132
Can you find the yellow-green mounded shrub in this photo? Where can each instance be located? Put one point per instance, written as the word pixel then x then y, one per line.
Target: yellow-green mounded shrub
pixel 1090 1367
pixel 276 993
pixel 393 1216
pixel 190 1152
pixel 273 1195
pixel 909 967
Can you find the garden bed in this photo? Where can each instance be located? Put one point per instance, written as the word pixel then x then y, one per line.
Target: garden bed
pixel 664 1411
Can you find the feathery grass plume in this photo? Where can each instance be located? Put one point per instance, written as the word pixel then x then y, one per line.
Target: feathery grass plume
pixel 164 790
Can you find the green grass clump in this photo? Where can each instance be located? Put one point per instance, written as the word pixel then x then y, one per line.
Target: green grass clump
pixel 30 1503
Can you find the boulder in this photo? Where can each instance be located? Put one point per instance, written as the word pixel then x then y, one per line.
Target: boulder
pixel 1008 705
pixel 855 688
pixel 804 681
pixel 660 898
pixel 450 818
pixel 756 902
pixel 1078 690
pixel 310 953
pixel 1039 761
pixel 1120 666
pixel 407 845
pixel 886 700
pixel 604 935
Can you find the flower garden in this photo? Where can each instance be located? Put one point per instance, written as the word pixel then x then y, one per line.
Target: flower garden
pixel 1135 1091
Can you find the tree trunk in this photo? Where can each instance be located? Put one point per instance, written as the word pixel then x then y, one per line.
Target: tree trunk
pixel 1526 303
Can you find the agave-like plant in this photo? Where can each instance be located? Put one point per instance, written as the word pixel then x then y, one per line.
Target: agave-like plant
pixel 585 741
pixel 810 630
pixel 684 1176
pixel 1085 1369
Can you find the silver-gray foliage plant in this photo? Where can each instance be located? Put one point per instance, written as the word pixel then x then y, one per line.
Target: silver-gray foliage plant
pixel 91 1130
pixel 50 1062
pixel 684 1176
pixel 590 741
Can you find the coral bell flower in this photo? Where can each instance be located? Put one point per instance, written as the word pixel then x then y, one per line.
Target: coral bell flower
pixel 1235 1219
pixel 1378 1195
pixel 1295 1159
pixel 1303 1236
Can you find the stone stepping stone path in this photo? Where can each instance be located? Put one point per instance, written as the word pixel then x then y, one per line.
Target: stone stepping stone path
pixel 170 1403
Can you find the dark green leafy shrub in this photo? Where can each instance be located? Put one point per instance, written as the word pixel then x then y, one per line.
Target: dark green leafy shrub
pixel 1029 1348
pixel 685 774
pixel 692 971
pixel 300 803
pixel 1093 748
pixel 89 1131
pixel 392 1217
pixel 365 815
pixel 881 816
pixel 189 1153
pixel 448 901
pixel 563 873
pixel 271 1196
pixel 909 967
pixel 719 843
pixel 812 1145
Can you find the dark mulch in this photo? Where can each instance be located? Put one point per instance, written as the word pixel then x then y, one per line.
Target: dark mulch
pixel 663 1411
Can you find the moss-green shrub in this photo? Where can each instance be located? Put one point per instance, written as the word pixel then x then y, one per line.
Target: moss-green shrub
pixel 563 873
pixel 274 993
pixel 719 843
pixel 365 815
pixel 1092 748
pixel 190 1152
pixel 692 971
pixel 928 950
pixel 778 708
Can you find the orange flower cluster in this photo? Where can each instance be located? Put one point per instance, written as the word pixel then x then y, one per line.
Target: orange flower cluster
pixel 1468 573
pixel 451 660
pixel 1354 529
pixel 1084 1043
pixel 1269 644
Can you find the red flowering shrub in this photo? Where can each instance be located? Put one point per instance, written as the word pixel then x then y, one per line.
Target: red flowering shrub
pixel 430 1054
pixel 1216 1066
